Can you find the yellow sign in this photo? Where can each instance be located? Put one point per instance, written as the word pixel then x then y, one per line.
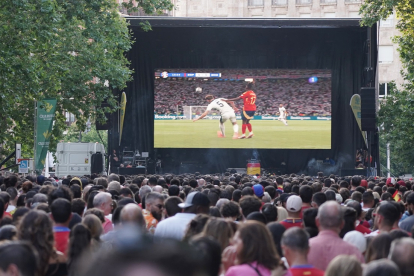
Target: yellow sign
pixel 355 104
pixel 253 168
pixel 123 107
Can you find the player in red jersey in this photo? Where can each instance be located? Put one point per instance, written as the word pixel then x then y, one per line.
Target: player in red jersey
pixel 249 108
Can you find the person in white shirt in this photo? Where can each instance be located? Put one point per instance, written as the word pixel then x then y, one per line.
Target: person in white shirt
pixel 282 114
pixel 174 227
pixel 226 110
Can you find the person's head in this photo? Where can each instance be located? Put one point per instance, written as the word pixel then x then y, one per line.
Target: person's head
pixel 330 195
pixel 318 199
pixel 230 210
pixel 237 194
pixel 60 192
pixel 154 203
pixel 103 201
pixel 295 242
pixel 250 204
pixel 355 181
pixel 61 210
pixel 356 206
pixel 276 230
pixel 379 247
pixel 356 239
pixel 387 214
pixel 209 251
pixel 305 193
pixel 382 267
pixel 94 224
pixel 171 206
pixel 36 227
pixel 270 212
pixel 257 216
pixel 344 265
pixel 254 243
pixel 8 232
pixel 402 254
pixel 113 177
pixel 79 241
pixel 196 226
pixel 12 191
pixel 196 203
pixel 220 230
pixel 330 217
pixel 410 203
pixel 132 214
pixel 294 205
pixel 350 216
pixel 78 206
pixel 18 258
pixel 258 190
pixel 357 196
pixel 173 190
pixel 368 199
pixel 143 191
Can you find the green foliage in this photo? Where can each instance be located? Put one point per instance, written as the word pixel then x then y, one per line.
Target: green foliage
pixel 70 50
pixel 396 113
pixel 92 136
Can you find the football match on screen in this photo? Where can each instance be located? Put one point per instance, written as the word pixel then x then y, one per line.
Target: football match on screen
pixel 242 108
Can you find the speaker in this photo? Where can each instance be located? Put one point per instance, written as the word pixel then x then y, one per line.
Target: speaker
pixel 107 124
pixel 368 109
pixel 97 163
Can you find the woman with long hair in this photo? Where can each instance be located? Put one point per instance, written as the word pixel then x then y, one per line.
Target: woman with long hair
pixel 79 242
pixel 220 230
pixel 36 227
pixel 255 252
pixel 344 265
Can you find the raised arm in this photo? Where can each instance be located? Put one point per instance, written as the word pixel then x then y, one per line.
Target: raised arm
pixel 201 116
pixel 230 100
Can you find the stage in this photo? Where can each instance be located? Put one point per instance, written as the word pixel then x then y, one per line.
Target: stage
pixel 339 45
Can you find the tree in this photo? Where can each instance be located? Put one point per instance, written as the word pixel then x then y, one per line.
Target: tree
pixel 396 112
pixel 92 136
pixel 71 50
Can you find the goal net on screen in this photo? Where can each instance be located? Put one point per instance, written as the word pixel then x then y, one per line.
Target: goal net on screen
pixel 191 112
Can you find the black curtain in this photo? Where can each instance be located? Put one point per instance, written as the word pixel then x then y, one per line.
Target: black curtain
pixel 340 49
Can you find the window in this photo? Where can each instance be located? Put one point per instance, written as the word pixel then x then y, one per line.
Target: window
pixel 256 2
pixel 328 1
pixel 279 2
pixel 354 14
pixel 329 14
pixel 386 89
pixel 386 54
pixel 389 22
pixel 219 5
pixel 303 2
pixel 352 1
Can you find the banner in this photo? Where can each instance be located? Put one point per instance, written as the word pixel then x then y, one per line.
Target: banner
pixel 123 106
pixel 238 117
pixel 355 104
pixel 45 114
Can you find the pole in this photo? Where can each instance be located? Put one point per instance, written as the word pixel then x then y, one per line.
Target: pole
pixel 388 161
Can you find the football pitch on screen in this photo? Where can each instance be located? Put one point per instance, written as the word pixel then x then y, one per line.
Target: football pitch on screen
pixel 268 134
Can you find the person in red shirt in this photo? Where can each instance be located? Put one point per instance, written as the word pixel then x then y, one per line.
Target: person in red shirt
pixel 359 225
pixel 249 108
pixel 294 209
pixel 61 210
pixel 295 246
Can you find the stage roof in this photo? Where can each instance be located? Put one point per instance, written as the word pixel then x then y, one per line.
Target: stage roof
pixel 166 21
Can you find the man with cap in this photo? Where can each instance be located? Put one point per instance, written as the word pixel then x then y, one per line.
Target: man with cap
pixel 174 227
pixel 294 209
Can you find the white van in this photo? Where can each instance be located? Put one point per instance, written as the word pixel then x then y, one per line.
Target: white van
pixel 78 159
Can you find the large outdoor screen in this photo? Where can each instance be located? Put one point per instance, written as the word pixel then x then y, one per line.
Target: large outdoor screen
pixel 277 108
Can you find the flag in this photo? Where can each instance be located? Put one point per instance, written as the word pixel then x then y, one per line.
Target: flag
pixel 123 106
pixel 396 196
pixel 45 115
pixel 355 104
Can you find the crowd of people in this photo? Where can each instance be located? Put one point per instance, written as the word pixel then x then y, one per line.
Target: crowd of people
pixel 220 224
pixel 289 87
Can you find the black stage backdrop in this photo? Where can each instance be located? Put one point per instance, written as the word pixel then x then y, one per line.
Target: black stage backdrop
pixel 286 44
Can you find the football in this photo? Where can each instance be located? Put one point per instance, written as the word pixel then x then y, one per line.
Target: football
pixel 199 89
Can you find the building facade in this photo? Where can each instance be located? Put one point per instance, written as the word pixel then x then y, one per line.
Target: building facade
pixel 389 66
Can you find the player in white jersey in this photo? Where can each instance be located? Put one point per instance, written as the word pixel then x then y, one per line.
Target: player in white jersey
pixel 226 112
pixel 282 114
